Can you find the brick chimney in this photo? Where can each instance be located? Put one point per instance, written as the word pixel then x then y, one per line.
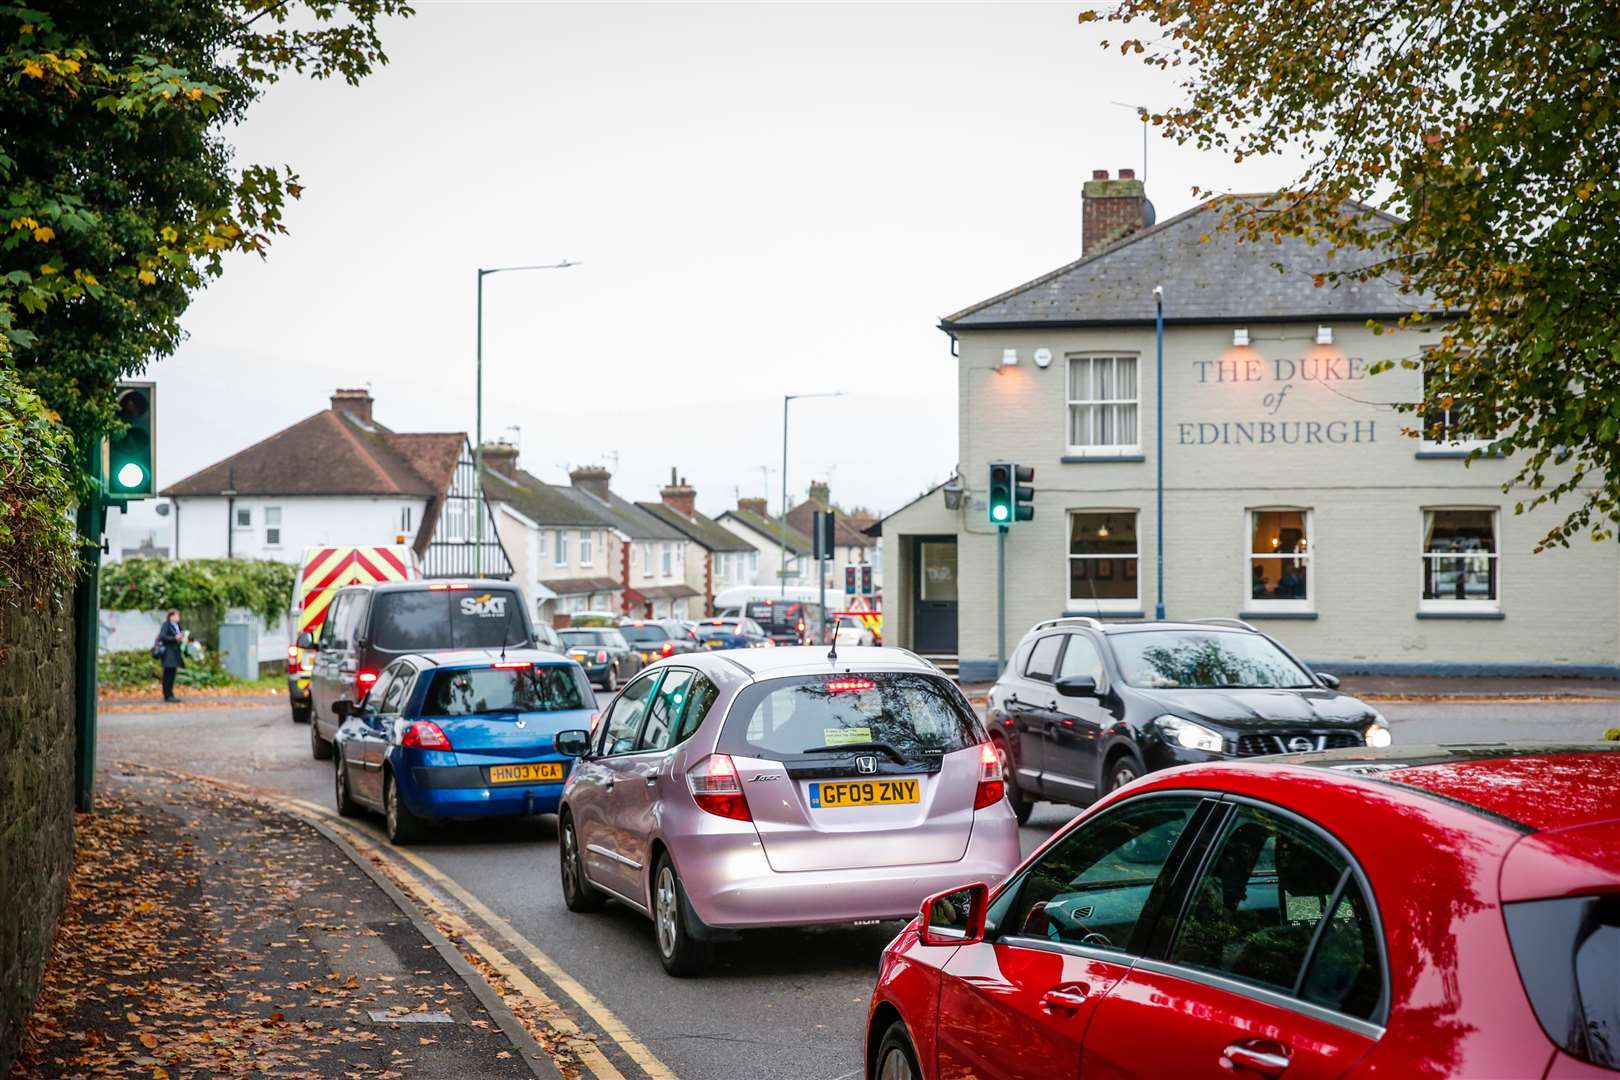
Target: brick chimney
pixel 1111 210
pixel 679 496
pixel 821 493
pixel 357 403
pixel 752 506
pixel 592 479
pixel 501 457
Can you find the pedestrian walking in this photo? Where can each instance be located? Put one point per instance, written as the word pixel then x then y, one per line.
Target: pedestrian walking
pixel 170 648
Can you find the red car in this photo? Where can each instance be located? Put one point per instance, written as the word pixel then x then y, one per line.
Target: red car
pixel 1427 912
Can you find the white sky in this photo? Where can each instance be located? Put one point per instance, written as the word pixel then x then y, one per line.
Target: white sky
pixel 766 199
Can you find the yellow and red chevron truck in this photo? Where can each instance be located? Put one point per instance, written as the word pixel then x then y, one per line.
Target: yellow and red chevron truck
pixel 321 573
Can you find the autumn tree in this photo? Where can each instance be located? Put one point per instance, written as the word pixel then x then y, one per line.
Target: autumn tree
pixel 1491 128
pixel 119 196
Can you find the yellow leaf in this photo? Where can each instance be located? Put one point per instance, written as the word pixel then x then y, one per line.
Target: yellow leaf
pixel 160 1073
pixel 47 269
pixel 146 277
pixel 196 93
pixel 32 68
pixel 44 233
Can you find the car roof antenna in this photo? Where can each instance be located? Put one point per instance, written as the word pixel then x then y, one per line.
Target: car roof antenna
pixel 832 650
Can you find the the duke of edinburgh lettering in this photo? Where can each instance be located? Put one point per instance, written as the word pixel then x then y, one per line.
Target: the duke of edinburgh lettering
pixel 1284 373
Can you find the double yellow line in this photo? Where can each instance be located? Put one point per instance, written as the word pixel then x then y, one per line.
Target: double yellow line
pixel 411 873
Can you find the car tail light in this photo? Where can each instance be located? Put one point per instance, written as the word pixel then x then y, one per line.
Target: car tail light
pixel 509 665
pixel 717 788
pixel 362 684
pixel 440 586
pixel 426 735
pixel 847 686
pixel 293 659
pixel 992 786
pixel 595 716
pixel 601 656
pixel 668 649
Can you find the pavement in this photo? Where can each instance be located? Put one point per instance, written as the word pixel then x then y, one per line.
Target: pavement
pixel 787 1005
pixel 210 935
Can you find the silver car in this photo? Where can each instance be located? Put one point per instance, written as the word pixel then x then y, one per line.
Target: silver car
pixel 725 791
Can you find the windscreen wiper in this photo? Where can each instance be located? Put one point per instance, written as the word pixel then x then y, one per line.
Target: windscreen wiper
pixel 845 748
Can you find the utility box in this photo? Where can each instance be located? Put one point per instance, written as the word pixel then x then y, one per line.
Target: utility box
pixel 239 650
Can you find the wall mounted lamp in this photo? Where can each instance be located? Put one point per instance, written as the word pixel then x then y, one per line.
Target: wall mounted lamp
pixel 1240 336
pixel 1324 335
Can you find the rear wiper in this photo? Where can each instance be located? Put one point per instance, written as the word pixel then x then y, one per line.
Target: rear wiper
pixel 844 748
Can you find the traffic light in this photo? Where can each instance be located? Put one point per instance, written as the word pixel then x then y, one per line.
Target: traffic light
pixel 130 457
pixel 1001 493
pixel 1023 495
pixel 866 579
pixel 822 527
pixel 849 580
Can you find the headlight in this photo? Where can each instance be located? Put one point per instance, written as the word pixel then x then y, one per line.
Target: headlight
pixel 1190 736
pixel 1377 733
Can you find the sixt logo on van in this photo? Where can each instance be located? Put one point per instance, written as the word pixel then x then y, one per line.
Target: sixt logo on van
pixel 488 606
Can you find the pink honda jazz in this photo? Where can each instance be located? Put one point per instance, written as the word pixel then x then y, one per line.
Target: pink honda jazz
pixel 727 791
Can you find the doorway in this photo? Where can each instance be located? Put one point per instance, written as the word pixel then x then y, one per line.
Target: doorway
pixel 934 599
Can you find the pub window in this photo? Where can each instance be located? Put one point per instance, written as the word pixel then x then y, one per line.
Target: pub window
pixel 1451 422
pixel 1459 560
pixel 1103 561
pixel 1102 404
pixel 1280 560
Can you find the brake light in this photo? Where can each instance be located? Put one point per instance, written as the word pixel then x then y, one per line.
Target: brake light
pixel 440 586
pixel 595 716
pixel 362 684
pixel 601 656
pixel 510 665
pixel 847 686
pixel 717 788
pixel 992 786
pixel 425 735
pixel 293 659
pixel 668 649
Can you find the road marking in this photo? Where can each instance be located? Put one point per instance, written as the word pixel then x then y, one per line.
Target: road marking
pixel 577 1041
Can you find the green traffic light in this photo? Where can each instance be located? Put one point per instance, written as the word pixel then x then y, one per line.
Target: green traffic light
pixel 130 475
pixel 999 512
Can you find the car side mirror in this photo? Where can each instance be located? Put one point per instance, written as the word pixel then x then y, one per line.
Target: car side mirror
pixel 1077 686
pixel 306 640
pixel 1329 681
pixel 955 916
pixel 341 708
pixel 575 742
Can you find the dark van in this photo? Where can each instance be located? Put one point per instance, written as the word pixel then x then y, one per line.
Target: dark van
pixel 368 626
pixel 790 622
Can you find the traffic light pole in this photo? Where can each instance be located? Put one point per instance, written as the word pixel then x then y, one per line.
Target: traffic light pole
pixel 1001 598
pixel 92 517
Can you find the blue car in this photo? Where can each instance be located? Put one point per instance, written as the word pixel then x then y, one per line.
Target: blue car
pixel 731 632
pixel 460 735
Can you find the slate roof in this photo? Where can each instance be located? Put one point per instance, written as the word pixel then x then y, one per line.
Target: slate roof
pixel 771 528
pixel 846 531
pixel 544 504
pixel 703 531
pixel 581 585
pixel 623 515
pixel 1224 280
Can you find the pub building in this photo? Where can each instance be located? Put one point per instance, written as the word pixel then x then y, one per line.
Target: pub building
pixel 1294 498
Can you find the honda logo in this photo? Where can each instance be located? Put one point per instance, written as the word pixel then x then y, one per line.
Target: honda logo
pixel 866 763
pixel 1299 744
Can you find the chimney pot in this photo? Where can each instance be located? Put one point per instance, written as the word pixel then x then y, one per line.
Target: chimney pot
pixel 1099 174
pixel 678 497
pixel 356 402
pixel 501 457
pixel 592 479
pixel 752 506
pixel 1127 174
pixel 1111 210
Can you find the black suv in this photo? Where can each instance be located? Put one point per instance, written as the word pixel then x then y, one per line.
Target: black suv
pixel 1086 707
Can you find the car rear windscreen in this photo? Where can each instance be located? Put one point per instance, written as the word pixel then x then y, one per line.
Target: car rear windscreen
pixel 423 620
pixel 1568 953
pixel 481 691
pixel 637 634
pixel 585 637
pixel 909 717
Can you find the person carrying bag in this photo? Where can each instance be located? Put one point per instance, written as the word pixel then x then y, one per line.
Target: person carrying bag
pixel 168 648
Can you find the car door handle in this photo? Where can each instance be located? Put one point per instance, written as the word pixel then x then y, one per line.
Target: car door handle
pixel 652 781
pixel 1266 1058
pixel 1067 998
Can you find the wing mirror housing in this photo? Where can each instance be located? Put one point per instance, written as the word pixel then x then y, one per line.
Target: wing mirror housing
pixel 306 640
pixel 1329 681
pixel 341 708
pixel 1077 686
pixel 955 916
pixel 575 742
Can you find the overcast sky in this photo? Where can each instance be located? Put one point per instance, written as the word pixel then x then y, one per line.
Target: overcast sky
pixel 765 199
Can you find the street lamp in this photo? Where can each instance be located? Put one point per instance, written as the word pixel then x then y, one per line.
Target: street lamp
pixel 478 422
pixel 782 573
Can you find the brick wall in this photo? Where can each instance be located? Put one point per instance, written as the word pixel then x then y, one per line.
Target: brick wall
pixel 36 805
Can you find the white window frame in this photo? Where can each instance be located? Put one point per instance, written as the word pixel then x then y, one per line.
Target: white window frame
pixel 405 520
pixel 1455 606
pixel 646 560
pixel 1105 605
pixel 668 559
pixel 1289 605
pixel 540 542
pixel 1072 402
pixel 272 530
pixel 1443 443
pixel 559 555
pixel 244 518
pixel 586 554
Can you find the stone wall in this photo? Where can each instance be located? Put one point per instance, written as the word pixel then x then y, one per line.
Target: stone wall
pixel 36 805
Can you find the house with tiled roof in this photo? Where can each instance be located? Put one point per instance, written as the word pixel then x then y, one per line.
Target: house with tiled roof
pixel 724 556
pixel 782 553
pixel 340 477
pixel 852 547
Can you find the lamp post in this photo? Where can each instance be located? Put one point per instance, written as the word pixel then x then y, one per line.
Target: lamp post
pixel 1158 452
pixel 782 573
pixel 478 420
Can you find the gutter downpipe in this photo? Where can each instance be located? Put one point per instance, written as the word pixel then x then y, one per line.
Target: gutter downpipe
pixel 1158 454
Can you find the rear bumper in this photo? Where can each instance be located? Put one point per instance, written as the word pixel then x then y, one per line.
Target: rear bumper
pixel 732 886
pixel 459 791
pixel 298 695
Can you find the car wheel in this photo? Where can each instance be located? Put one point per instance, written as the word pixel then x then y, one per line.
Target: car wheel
pixel 300 714
pixel 1021 804
pixel 346 806
pixel 403 827
pixel 895 1058
pixel 579 894
pixel 320 748
pixel 1121 773
pixel 611 683
pixel 681 953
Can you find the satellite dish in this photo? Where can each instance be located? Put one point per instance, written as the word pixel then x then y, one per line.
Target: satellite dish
pixel 162 509
pixel 1149 215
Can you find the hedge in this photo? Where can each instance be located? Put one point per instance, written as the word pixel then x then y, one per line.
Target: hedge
pixel 37 497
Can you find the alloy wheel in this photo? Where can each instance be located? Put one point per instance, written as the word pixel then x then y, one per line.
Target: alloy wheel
pixel 1124 773
pixel 392 806
pixel 342 782
pixel 570 860
pixel 895 1066
pixel 665 910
